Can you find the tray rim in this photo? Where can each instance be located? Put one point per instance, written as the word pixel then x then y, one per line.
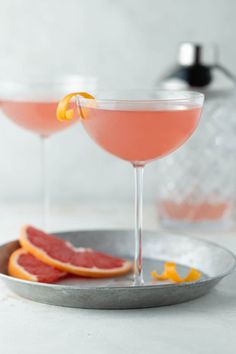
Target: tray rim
pixel 122 288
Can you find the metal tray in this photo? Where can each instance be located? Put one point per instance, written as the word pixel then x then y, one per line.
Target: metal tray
pixel 213 261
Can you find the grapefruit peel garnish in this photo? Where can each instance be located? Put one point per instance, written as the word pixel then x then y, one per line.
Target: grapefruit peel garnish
pixel 170 273
pixel 66 114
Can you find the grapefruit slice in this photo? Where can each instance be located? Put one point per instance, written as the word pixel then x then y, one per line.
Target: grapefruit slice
pixel 64 256
pixel 25 266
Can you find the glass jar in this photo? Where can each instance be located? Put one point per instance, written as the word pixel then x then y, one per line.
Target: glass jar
pixel 197 186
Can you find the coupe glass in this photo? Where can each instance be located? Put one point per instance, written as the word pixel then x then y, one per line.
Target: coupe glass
pixel 32 105
pixel 140 126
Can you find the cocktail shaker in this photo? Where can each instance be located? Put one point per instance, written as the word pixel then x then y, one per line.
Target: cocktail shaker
pixel 197 185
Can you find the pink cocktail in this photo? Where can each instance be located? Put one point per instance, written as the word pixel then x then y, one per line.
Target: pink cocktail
pixel 32 105
pixel 38 117
pixel 145 127
pixel 141 135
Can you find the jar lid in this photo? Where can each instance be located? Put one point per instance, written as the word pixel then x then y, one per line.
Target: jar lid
pixel 191 54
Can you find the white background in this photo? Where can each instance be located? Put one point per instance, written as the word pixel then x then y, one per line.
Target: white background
pixel 125 43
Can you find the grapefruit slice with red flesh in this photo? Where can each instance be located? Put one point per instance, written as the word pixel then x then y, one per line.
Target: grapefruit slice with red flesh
pixel 64 256
pixel 25 266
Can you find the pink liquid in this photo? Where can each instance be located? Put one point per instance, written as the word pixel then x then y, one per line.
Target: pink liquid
pixel 140 135
pixel 39 117
pixel 194 212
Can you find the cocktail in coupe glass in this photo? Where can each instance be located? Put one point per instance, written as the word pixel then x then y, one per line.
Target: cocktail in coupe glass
pixel 140 126
pixel 32 105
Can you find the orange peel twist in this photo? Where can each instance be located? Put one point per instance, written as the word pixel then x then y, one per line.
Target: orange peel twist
pixel 65 114
pixel 170 273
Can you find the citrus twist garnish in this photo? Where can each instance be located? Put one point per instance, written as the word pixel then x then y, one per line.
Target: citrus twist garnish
pixel 170 273
pixel 65 114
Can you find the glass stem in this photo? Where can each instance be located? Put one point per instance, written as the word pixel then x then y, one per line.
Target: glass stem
pixel 44 183
pixel 138 217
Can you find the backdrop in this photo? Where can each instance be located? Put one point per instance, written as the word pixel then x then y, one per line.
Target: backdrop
pixel 126 43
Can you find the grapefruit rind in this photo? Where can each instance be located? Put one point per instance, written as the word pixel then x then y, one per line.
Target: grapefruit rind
pixel 65 114
pixel 93 272
pixel 170 273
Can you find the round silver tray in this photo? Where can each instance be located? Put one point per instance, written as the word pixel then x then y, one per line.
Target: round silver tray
pixel 213 261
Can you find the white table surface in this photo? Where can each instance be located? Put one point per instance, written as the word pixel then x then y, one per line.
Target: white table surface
pixel 206 325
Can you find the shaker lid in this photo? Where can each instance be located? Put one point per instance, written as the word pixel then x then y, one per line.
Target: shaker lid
pixel 191 54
